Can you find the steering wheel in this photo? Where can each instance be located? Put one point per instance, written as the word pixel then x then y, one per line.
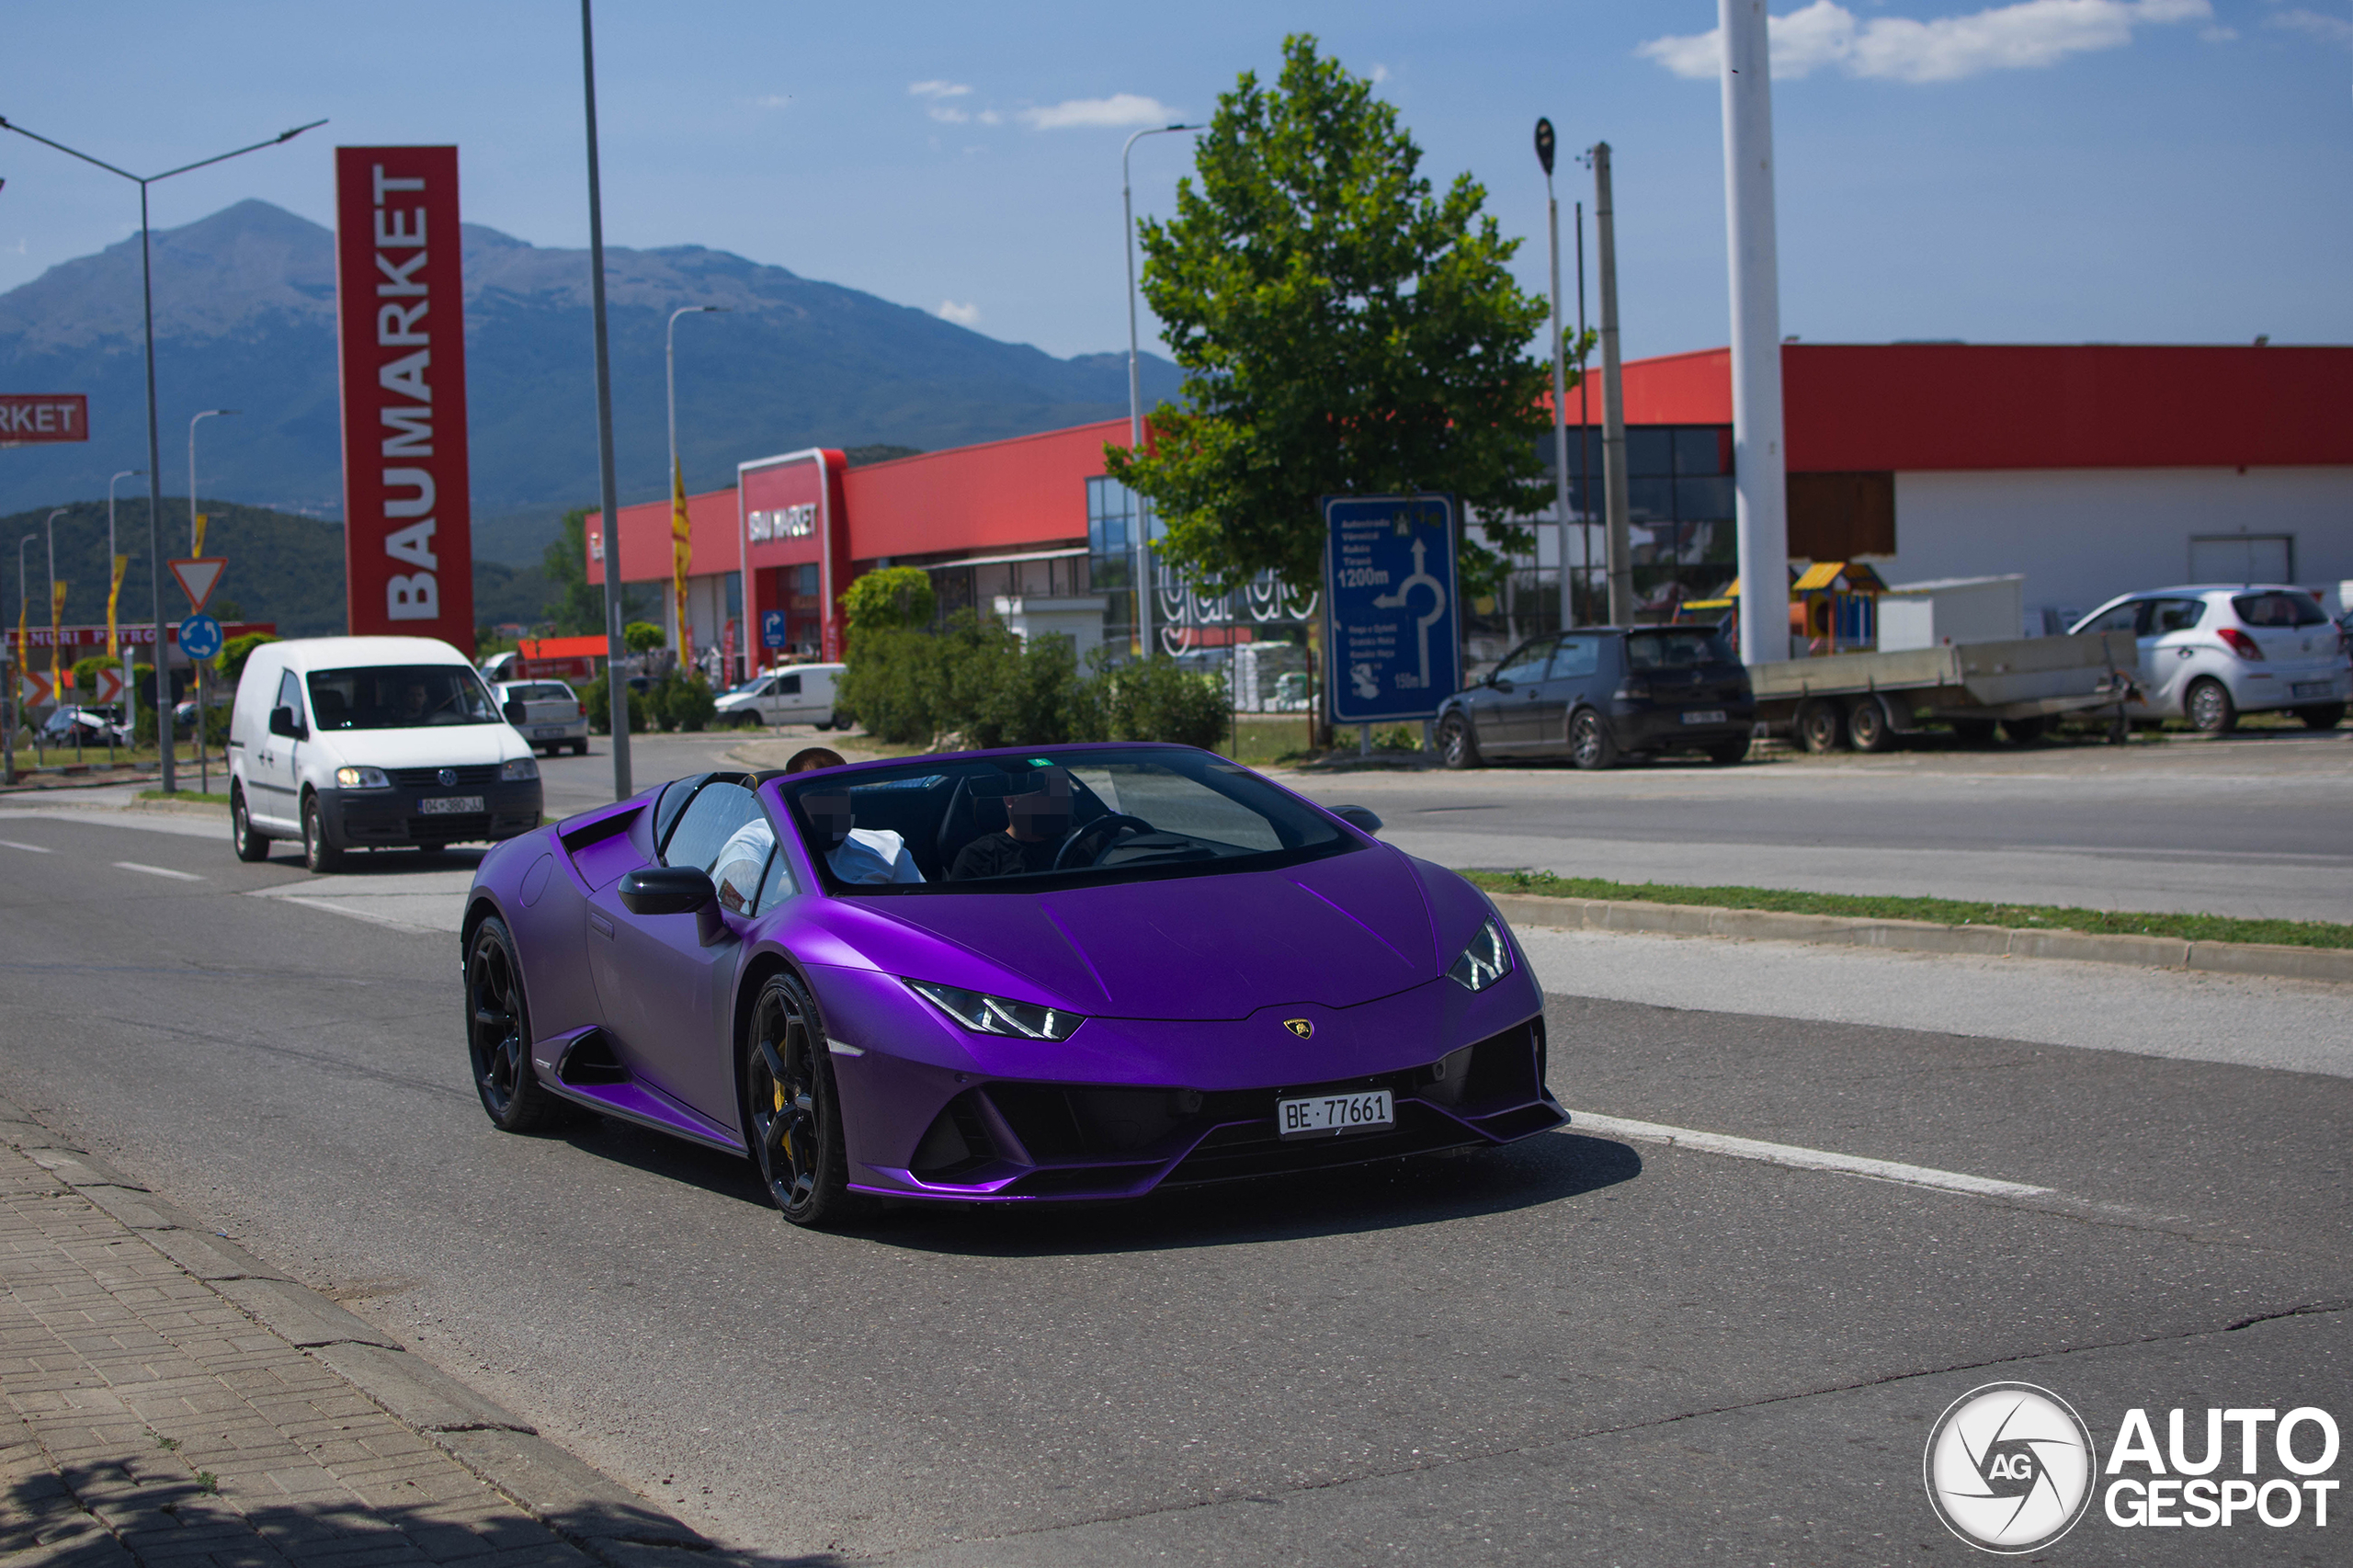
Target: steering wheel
pixel 1068 855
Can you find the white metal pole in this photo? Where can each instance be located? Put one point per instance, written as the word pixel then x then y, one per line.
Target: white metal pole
pixel 1560 409
pixel 1759 462
pixel 1135 390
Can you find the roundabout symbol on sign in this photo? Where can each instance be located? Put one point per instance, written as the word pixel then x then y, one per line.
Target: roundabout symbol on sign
pixel 200 637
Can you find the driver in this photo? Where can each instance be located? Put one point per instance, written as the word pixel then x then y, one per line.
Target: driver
pixel 1038 820
pixel 410 710
pixel 872 854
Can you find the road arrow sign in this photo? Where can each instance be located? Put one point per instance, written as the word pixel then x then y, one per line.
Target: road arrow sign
pixel 38 693
pixel 109 685
pixel 200 637
pixel 198 577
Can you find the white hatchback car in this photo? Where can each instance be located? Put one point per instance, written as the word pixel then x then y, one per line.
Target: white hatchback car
pixel 2209 654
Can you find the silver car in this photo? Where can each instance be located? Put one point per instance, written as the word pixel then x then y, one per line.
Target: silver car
pixel 549 713
pixel 2209 654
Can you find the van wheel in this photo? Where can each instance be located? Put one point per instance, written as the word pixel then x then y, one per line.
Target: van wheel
pixel 824 725
pixel 319 856
pixel 250 845
pixel 1725 754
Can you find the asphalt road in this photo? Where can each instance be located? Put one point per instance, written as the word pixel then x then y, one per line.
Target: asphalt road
pixel 1587 1349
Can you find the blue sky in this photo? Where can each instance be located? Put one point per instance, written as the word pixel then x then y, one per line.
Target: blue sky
pixel 2056 170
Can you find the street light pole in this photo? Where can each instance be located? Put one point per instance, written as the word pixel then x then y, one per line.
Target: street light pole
pixel 194 544
pixel 678 474
pixel 1560 377
pixel 1135 391
pixel 154 450
pixel 23 662
pixel 615 683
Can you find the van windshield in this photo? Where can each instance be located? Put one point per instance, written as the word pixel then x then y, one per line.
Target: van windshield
pixel 399 696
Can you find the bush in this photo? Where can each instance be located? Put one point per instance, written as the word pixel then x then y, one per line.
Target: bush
pixel 683 703
pixel 230 661
pixel 85 675
pixel 1159 700
pixel 600 713
pixel 895 598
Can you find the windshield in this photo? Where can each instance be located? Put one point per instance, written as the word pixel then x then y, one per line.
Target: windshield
pixel 1054 817
pixel 1682 648
pixel 399 696
pixel 539 691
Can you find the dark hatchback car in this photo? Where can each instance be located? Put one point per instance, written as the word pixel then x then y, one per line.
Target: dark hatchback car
pixel 1595 694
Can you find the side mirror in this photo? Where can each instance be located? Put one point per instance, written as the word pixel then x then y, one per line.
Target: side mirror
pixel 1362 818
pixel 674 890
pixel 513 708
pixel 283 721
pixel 1498 683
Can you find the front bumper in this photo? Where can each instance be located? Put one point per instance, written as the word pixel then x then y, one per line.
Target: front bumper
pixel 362 818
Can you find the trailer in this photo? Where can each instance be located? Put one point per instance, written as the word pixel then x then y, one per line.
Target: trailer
pixel 1867 700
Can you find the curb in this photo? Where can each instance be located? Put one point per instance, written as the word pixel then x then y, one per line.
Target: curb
pixel 580 1504
pixel 2270 960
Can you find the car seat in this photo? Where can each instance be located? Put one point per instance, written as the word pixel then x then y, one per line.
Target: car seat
pixel 974 807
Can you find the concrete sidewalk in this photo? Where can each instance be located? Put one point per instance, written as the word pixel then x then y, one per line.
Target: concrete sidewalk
pixel 167 1399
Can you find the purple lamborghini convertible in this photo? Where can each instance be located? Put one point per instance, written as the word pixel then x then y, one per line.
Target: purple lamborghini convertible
pixel 1080 971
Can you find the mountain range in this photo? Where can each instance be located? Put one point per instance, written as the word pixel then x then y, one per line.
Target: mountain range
pixel 244 319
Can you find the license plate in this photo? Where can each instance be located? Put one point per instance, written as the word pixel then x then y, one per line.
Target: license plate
pixel 1327 1114
pixel 548 731
pixel 2311 688
pixel 449 805
pixel 1703 715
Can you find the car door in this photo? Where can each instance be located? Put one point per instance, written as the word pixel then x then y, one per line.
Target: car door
pixel 666 994
pixel 2132 615
pixel 2170 640
pixel 1507 723
pixel 786 705
pixel 1577 659
pixel 273 770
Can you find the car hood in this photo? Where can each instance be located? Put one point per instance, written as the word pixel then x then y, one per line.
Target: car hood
pixel 1337 932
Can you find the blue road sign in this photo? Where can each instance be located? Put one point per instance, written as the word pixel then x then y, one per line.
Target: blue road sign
pixel 771 629
pixel 200 637
pixel 1390 607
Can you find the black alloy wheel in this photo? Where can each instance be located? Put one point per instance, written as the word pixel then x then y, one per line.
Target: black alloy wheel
pixel 319 856
pixel 2210 708
pixel 1867 726
pixel 792 1110
pixel 2324 716
pixel 1590 745
pixel 1457 747
pixel 250 845
pixel 1821 727
pixel 498 1034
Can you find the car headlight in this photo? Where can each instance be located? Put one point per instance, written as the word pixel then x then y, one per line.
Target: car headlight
pixel 516 769
pixel 1484 961
pixel 362 779
pixel 996 1015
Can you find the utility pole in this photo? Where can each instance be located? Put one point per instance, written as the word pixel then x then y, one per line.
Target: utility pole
pixel 1560 378
pixel 1759 463
pixel 616 681
pixel 1585 411
pixel 1613 401
pixel 1142 518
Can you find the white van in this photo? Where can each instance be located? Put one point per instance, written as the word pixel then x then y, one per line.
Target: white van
pixel 792 694
pixel 347 742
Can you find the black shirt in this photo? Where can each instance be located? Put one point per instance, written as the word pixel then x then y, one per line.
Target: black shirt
pixel 1001 854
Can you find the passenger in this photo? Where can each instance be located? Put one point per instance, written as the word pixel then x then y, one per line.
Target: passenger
pixel 874 856
pixel 1038 820
pixel 736 869
pixel 808 759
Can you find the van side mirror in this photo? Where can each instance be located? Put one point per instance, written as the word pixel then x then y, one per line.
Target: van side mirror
pixel 283 721
pixel 513 709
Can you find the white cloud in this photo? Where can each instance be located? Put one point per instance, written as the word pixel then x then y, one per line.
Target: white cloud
pixel 2328 30
pixel 774 100
pixel 937 89
pixel 1099 114
pixel 1377 74
pixel 2001 37
pixel 947 115
pixel 967 314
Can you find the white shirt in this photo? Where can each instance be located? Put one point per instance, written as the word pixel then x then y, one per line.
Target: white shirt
pixel 874 855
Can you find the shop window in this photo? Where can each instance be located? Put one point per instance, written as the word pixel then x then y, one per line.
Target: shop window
pixel 1702 449
pixel 1650 448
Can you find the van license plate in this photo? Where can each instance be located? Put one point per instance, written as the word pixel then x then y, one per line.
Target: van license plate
pixel 1327 1114
pixel 449 805
pixel 2309 688
pixel 1703 715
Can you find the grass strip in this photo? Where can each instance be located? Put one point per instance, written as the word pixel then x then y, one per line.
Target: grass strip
pixel 197 795
pixel 1940 911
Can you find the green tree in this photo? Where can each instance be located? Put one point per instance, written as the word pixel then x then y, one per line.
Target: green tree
pixel 230 663
pixel 893 597
pixel 1343 330
pixel 641 636
pixel 577 605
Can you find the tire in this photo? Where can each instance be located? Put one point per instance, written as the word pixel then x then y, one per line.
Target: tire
pixel 250 845
pixel 1867 728
pixel 319 856
pixel 2322 716
pixel 1821 727
pixel 792 1116
pixel 580 748
pixel 1973 731
pixel 1591 746
pixel 2025 731
pixel 1457 747
pixel 1727 753
pixel 825 724
pixel 2209 708
pixel 498 1036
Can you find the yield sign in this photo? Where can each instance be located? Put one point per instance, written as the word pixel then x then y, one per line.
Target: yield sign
pixel 38 693
pixel 197 577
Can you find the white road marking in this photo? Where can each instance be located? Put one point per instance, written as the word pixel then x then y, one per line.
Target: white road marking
pixel 158 872
pixel 1806 1159
pixel 28 849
